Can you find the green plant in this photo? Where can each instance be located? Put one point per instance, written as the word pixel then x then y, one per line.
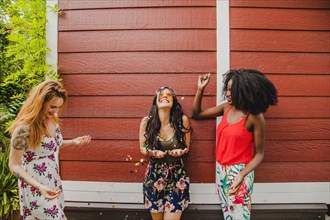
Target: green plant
pixel 9 200
pixel 22 66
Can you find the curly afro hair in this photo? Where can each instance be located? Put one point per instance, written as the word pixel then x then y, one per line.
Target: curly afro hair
pixel 251 91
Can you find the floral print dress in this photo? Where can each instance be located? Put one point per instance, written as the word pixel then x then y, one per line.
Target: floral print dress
pixel 41 165
pixel 166 183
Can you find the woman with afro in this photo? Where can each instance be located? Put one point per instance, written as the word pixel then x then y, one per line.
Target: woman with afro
pixel 240 135
pixel 165 138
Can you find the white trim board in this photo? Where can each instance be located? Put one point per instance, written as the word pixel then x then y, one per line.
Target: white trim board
pixel 265 193
pixel 52 34
pixel 223 44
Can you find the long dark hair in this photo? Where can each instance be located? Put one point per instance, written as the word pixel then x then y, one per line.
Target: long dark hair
pixel 153 124
pixel 251 91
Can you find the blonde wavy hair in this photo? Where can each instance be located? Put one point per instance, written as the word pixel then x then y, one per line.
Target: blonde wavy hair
pixel 32 111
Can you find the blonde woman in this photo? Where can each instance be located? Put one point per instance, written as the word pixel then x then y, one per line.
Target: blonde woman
pixel 36 138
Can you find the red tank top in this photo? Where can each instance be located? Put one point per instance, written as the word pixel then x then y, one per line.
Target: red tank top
pixel 235 143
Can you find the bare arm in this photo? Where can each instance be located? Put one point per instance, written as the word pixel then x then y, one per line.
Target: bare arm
pixel 142 139
pixel 17 149
pixel 259 141
pixel 77 141
pixel 180 152
pixel 212 112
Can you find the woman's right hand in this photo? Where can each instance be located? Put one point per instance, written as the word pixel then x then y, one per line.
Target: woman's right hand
pixel 48 193
pixel 157 153
pixel 203 80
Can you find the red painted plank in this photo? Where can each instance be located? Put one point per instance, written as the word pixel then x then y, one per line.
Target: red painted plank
pixel 287 63
pixel 121 106
pixel 297 129
pixel 300 107
pixel 127 129
pixel 137 62
pixel 302 85
pixel 137 40
pixel 127 84
pixel 134 84
pixel 125 172
pixel 281 19
pixel 297 150
pixel 200 151
pixel 281 3
pixel 138 18
pixel 88 4
pixel 266 172
pixel 292 172
pixel 269 40
pixel 123 151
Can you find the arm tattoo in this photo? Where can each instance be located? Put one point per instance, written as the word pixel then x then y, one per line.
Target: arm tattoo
pixel 20 138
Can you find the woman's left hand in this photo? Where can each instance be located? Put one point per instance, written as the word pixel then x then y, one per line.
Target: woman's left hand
pixel 82 140
pixel 236 184
pixel 178 152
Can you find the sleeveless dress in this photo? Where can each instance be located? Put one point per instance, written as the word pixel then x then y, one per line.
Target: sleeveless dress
pixel 41 165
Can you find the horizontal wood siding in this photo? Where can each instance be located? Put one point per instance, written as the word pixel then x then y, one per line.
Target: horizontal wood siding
pixel 118 106
pixel 290 42
pixel 113 55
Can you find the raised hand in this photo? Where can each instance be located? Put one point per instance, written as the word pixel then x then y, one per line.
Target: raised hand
pixel 82 140
pixel 203 80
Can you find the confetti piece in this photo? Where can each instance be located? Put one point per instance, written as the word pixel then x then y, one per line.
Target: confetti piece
pixel 182 97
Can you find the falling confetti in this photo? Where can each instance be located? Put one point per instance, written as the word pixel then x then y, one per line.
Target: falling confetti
pixel 138 163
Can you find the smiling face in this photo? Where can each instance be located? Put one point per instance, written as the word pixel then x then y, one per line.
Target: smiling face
pixel 53 107
pixel 228 92
pixel 165 98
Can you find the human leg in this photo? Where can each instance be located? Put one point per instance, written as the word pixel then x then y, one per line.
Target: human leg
pixel 172 216
pixel 237 206
pixel 157 215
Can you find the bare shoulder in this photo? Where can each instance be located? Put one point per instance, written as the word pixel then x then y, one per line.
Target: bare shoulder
pixel 21 131
pixel 225 106
pixel 257 119
pixel 20 136
pixel 144 121
pixel 185 121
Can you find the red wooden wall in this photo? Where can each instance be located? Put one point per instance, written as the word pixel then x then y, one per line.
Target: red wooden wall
pixel 289 41
pixel 113 55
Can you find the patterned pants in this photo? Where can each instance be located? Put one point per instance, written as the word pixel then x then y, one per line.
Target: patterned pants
pixel 237 206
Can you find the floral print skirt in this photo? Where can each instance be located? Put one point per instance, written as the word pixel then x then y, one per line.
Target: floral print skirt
pixel 166 187
pixel 237 206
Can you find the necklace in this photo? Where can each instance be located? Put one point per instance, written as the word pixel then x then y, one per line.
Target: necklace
pixel 164 138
